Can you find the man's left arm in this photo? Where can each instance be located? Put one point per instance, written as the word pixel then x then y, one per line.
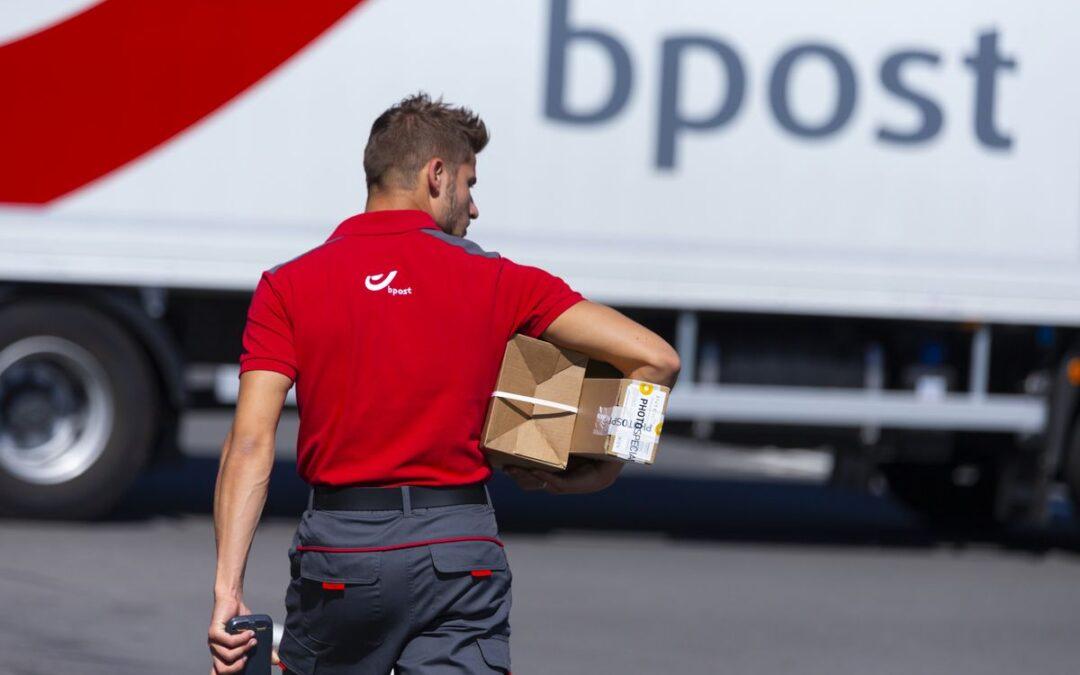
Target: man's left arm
pixel 602 333
pixel 247 458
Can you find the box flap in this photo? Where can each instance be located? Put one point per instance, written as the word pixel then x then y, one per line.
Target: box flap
pixel 529 431
pixel 528 441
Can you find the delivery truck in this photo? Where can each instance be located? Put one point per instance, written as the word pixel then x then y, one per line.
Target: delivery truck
pixel 858 222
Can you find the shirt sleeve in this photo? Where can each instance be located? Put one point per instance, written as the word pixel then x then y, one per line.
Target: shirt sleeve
pixel 268 335
pixel 535 298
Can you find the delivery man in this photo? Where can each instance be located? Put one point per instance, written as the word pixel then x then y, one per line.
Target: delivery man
pixel 392 332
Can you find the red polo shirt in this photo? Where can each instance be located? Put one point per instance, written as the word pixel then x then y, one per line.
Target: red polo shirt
pixel 393 332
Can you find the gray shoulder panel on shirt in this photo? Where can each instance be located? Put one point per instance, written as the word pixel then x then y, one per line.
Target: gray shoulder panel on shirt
pixel 278 266
pixel 470 247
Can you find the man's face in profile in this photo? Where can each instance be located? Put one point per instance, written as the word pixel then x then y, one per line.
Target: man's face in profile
pixel 460 207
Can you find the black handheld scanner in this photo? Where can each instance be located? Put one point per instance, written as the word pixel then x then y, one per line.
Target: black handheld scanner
pixel 258 658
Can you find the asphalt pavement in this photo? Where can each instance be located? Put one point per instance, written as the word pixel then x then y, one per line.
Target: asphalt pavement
pixel 691 567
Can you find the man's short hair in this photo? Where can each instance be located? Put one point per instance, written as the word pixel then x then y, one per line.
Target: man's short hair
pixel 407 136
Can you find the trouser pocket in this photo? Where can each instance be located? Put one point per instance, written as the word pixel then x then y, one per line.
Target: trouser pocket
pixel 335 599
pixel 495 652
pixel 474 579
pixel 478 573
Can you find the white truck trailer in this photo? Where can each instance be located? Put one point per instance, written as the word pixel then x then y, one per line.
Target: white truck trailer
pixel 858 222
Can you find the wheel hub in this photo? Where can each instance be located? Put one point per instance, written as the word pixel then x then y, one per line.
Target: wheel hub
pixel 56 412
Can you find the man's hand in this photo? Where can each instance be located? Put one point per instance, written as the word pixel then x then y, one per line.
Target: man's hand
pixel 228 651
pixel 580 476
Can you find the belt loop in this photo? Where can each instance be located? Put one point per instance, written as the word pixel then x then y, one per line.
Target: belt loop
pixel 406 501
pixel 311 498
pixel 487 493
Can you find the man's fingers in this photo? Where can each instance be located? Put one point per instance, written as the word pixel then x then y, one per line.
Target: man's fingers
pixel 230 655
pixel 581 476
pixel 218 636
pixel 530 484
pixel 220 667
pixel 538 478
pixel 230 641
pixel 523 482
pixel 551 482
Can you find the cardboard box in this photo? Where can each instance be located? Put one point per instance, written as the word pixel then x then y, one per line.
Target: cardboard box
pixel 550 403
pixel 522 433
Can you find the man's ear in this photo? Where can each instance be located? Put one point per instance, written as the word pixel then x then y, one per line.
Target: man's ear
pixel 436 174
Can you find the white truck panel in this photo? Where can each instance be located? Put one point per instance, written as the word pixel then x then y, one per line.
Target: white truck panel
pixel 749 217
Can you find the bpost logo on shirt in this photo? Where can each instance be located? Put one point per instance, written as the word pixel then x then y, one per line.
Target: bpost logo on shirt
pixel 378 282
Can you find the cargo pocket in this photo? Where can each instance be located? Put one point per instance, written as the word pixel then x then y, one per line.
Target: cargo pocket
pixel 340 598
pixel 468 557
pixel 473 585
pixel 496 653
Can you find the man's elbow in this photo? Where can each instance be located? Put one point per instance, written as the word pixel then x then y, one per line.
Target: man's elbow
pixel 666 364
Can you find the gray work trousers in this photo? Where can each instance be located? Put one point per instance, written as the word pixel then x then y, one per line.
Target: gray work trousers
pixel 420 591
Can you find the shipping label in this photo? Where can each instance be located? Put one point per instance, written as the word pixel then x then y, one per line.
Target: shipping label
pixel 636 424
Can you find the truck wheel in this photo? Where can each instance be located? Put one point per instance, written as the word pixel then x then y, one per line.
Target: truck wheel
pixel 78 410
pixel 949 494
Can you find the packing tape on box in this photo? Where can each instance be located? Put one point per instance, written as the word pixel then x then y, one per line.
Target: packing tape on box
pixel 535 401
pixel 602 423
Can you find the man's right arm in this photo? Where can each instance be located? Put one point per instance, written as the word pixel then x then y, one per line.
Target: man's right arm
pixel 605 334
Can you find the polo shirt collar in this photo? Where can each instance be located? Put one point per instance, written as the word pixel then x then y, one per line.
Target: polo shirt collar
pixel 385 222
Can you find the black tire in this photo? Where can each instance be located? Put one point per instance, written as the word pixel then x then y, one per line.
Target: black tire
pixel 123 383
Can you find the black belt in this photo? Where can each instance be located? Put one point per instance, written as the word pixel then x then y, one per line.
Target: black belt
pixel 392 499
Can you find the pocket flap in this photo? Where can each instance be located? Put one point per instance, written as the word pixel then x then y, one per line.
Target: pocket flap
pixel 348 568
pixel 466 556
pixel 496 652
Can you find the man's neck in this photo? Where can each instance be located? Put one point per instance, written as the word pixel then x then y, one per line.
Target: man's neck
pixel 395 201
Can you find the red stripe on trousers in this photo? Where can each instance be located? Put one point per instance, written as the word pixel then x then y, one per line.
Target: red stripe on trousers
pixel 395 547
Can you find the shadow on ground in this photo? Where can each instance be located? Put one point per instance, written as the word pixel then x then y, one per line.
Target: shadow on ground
pixel 686 508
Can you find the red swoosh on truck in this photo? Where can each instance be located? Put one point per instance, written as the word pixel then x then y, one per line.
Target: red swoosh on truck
pixel 88 95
